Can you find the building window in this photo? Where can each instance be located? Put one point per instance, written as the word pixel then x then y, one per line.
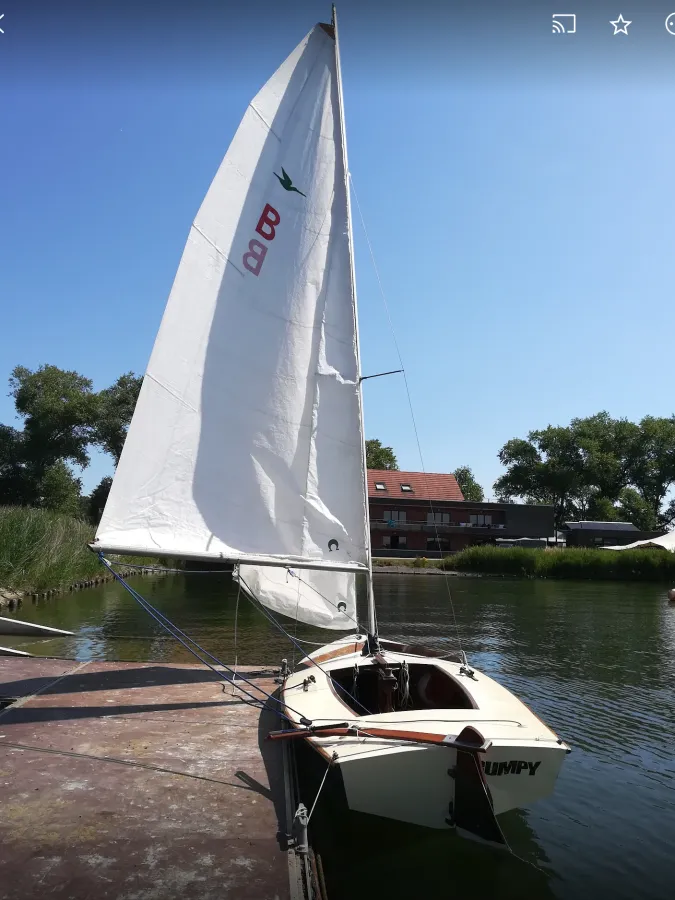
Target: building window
pixel 393 515
pixel 406 488
pixel 438 544
pixel 438 518
pixel 380 486
pixel 394 541
pixel 480 521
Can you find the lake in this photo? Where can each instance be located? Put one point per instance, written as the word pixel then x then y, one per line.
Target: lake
pixel 595 660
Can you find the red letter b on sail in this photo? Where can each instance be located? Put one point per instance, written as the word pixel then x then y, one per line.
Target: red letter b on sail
pixel 267 223
pixel 255 257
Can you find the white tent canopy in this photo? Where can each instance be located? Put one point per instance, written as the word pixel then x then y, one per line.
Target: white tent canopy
pixel 666 542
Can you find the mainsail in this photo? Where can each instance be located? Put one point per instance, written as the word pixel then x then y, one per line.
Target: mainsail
pixel 246 443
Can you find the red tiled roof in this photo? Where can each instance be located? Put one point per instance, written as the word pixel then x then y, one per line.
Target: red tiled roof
pixel 425 486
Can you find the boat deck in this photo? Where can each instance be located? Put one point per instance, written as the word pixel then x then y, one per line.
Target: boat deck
pixel 498 715
pixel 137 781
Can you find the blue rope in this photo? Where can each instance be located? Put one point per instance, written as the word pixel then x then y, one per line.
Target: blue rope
pixel 167 571
pixel 167 624
pixel 179 635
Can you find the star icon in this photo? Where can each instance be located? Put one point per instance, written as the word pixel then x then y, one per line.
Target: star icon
pixel 620 25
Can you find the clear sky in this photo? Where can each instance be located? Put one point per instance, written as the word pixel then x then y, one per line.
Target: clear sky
pixel 517 186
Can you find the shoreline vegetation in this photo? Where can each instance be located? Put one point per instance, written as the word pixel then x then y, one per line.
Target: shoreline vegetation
pixel 571 563
pixel 44 553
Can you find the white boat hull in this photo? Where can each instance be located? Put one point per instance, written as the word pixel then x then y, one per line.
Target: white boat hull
pixel 413 785
pixel 17 627
pixel 415 782
pixel 9 651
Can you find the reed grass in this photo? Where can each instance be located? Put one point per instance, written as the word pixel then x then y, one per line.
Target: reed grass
pixel 40 550
pixel 417 562
pixel 572 562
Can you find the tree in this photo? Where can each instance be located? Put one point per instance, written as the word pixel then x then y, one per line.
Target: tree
pixel 652 472
pixel 59 410
pixel 62 418
pixel 542 469
pixel 667 517
pixel 59 490
pixel 602 509
pixel 116 406
pixel 468 484
pixel 18 485
pixel 595 468
pixel 379 457
pixel 97 499
pixel 634 508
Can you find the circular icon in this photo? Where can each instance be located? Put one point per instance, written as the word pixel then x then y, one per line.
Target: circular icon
pixel 670 24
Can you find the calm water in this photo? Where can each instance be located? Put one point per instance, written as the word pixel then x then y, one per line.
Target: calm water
pixel 596 661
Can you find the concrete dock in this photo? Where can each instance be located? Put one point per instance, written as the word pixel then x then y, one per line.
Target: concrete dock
pixel 138 781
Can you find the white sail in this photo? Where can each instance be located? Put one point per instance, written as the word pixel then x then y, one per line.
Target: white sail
pixel 324 599
pixel 246 442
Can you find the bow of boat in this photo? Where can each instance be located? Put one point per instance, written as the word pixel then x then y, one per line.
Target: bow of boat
pixel 392 723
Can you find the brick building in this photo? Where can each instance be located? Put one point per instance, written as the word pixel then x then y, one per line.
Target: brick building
pixel 417 514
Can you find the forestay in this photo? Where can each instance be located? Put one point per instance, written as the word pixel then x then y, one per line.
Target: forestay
pixel 246 442
pixel 324 599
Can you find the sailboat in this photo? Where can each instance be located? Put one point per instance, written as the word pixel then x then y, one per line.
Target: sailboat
pixel 247 446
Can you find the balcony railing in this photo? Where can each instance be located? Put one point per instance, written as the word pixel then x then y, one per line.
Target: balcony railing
pixel 431 527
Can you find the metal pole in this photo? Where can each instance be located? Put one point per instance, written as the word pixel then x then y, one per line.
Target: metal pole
pixel 372 620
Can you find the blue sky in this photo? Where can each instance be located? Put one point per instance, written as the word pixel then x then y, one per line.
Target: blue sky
pixel 517 188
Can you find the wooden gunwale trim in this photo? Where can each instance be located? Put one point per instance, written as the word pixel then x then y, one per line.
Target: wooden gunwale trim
pixel 539 719
pixel 347 650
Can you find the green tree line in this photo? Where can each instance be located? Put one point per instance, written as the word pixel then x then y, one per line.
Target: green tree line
pixel 594 468
pixel 63 419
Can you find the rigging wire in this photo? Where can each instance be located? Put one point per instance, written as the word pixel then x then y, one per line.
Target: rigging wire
pixel 178 634
pixel 164 570
pixel 236 620
pixel 268 615
pixel 410 405
pixel 297 606
pixel 323 781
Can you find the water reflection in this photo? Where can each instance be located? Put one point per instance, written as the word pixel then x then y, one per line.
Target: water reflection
pixel 364 856
pixel 596 661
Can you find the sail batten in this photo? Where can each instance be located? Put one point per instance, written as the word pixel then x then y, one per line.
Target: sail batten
pixel 246 444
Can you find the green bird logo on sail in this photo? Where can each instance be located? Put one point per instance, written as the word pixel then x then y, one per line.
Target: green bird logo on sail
pixel 286 182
